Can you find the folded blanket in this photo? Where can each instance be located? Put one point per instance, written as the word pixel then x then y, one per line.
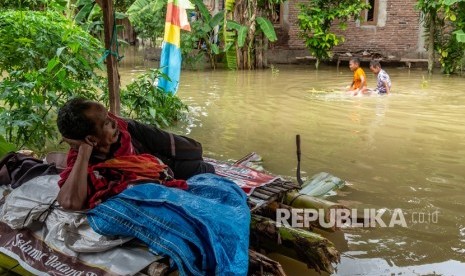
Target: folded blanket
pixel 205 229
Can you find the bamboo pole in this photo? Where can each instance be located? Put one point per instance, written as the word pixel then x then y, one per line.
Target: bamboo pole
pixel 270 210
pixel 314 250
pixel 297 200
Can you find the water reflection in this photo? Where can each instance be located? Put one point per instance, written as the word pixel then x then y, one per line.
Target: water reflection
pixel 405 150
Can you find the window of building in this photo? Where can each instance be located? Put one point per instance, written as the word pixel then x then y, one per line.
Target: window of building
pixel 370 16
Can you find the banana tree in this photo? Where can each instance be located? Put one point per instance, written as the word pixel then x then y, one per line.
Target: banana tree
pixel 245 33
pixel 204 32
pixel 148 18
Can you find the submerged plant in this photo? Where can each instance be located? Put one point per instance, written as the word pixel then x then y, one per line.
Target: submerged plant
pixel 274 69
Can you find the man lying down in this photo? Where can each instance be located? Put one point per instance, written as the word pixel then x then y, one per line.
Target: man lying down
pixel 139 181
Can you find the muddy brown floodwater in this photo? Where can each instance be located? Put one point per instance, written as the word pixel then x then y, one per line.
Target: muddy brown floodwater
pixel 403 151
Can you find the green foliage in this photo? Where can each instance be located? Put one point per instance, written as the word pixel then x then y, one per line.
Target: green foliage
pixel 451 54
pixel 90 17
pixel 148 18
pixel 46 60
pixel 460 35
pixel 33 4
pixel 5 147
pixel 315 20
pixel 144 101
pixel 246 33
pixel 241 32
pixel 448 18
pixel 229 36
pixel 204 35
pixel 267 28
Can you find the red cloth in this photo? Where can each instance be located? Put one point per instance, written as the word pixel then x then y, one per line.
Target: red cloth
pixel 112 176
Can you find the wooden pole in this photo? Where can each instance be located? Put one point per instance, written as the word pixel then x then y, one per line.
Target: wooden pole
pixel 297 142
pixel 111 60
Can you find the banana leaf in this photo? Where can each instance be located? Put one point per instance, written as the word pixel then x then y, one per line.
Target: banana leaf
pixel 202 9
pixel 217 19
pixel 231 24
pixel 321 184
pixel 84 11
pixel 231 58
pixel 84 2
pixel 267 27
pixel 241 32
pixel 215 49
pixel 229 5
pixel 138 6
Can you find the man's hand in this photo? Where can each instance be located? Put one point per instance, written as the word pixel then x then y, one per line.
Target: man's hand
pixel 75 144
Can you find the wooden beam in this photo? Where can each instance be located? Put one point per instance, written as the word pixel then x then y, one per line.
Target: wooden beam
pixel 111 60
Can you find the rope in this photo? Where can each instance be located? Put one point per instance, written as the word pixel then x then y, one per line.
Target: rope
pixel 113 41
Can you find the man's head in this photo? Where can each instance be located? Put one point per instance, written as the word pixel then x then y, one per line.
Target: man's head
pixel 81 119
pixel 354 63
pixel 375 66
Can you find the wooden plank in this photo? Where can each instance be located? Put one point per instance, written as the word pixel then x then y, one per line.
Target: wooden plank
pixel 271 189
pixel 260 195
pixel 264 191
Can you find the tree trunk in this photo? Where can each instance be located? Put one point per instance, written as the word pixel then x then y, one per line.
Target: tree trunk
pixel 431 33
pixel 252 15
pixel 259 53
pixel 265 49
pixel 112 62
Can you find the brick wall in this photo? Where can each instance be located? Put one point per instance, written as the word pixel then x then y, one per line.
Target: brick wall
pixel 397 31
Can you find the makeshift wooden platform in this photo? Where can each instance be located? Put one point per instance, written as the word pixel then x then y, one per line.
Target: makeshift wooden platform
pixel 274 191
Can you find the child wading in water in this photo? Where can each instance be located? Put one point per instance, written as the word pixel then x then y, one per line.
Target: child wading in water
pixel 359 83
pixel 383 85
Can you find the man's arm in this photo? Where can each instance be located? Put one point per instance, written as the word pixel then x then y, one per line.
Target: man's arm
pixel 363 85
pixel 363 81
pixel 387 87
pixel 164 144
pixel 73 193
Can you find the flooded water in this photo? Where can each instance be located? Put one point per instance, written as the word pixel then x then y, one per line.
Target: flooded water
pixel 405 150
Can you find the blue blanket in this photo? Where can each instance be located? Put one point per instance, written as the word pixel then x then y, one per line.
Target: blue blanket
pixel 205 229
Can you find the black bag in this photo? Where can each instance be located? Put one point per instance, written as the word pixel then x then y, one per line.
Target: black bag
pixel 17 168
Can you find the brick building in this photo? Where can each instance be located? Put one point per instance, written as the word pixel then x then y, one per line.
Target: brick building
pixel 391 28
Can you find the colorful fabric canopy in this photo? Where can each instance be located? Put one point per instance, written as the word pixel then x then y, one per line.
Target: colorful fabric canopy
pixel 170 60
